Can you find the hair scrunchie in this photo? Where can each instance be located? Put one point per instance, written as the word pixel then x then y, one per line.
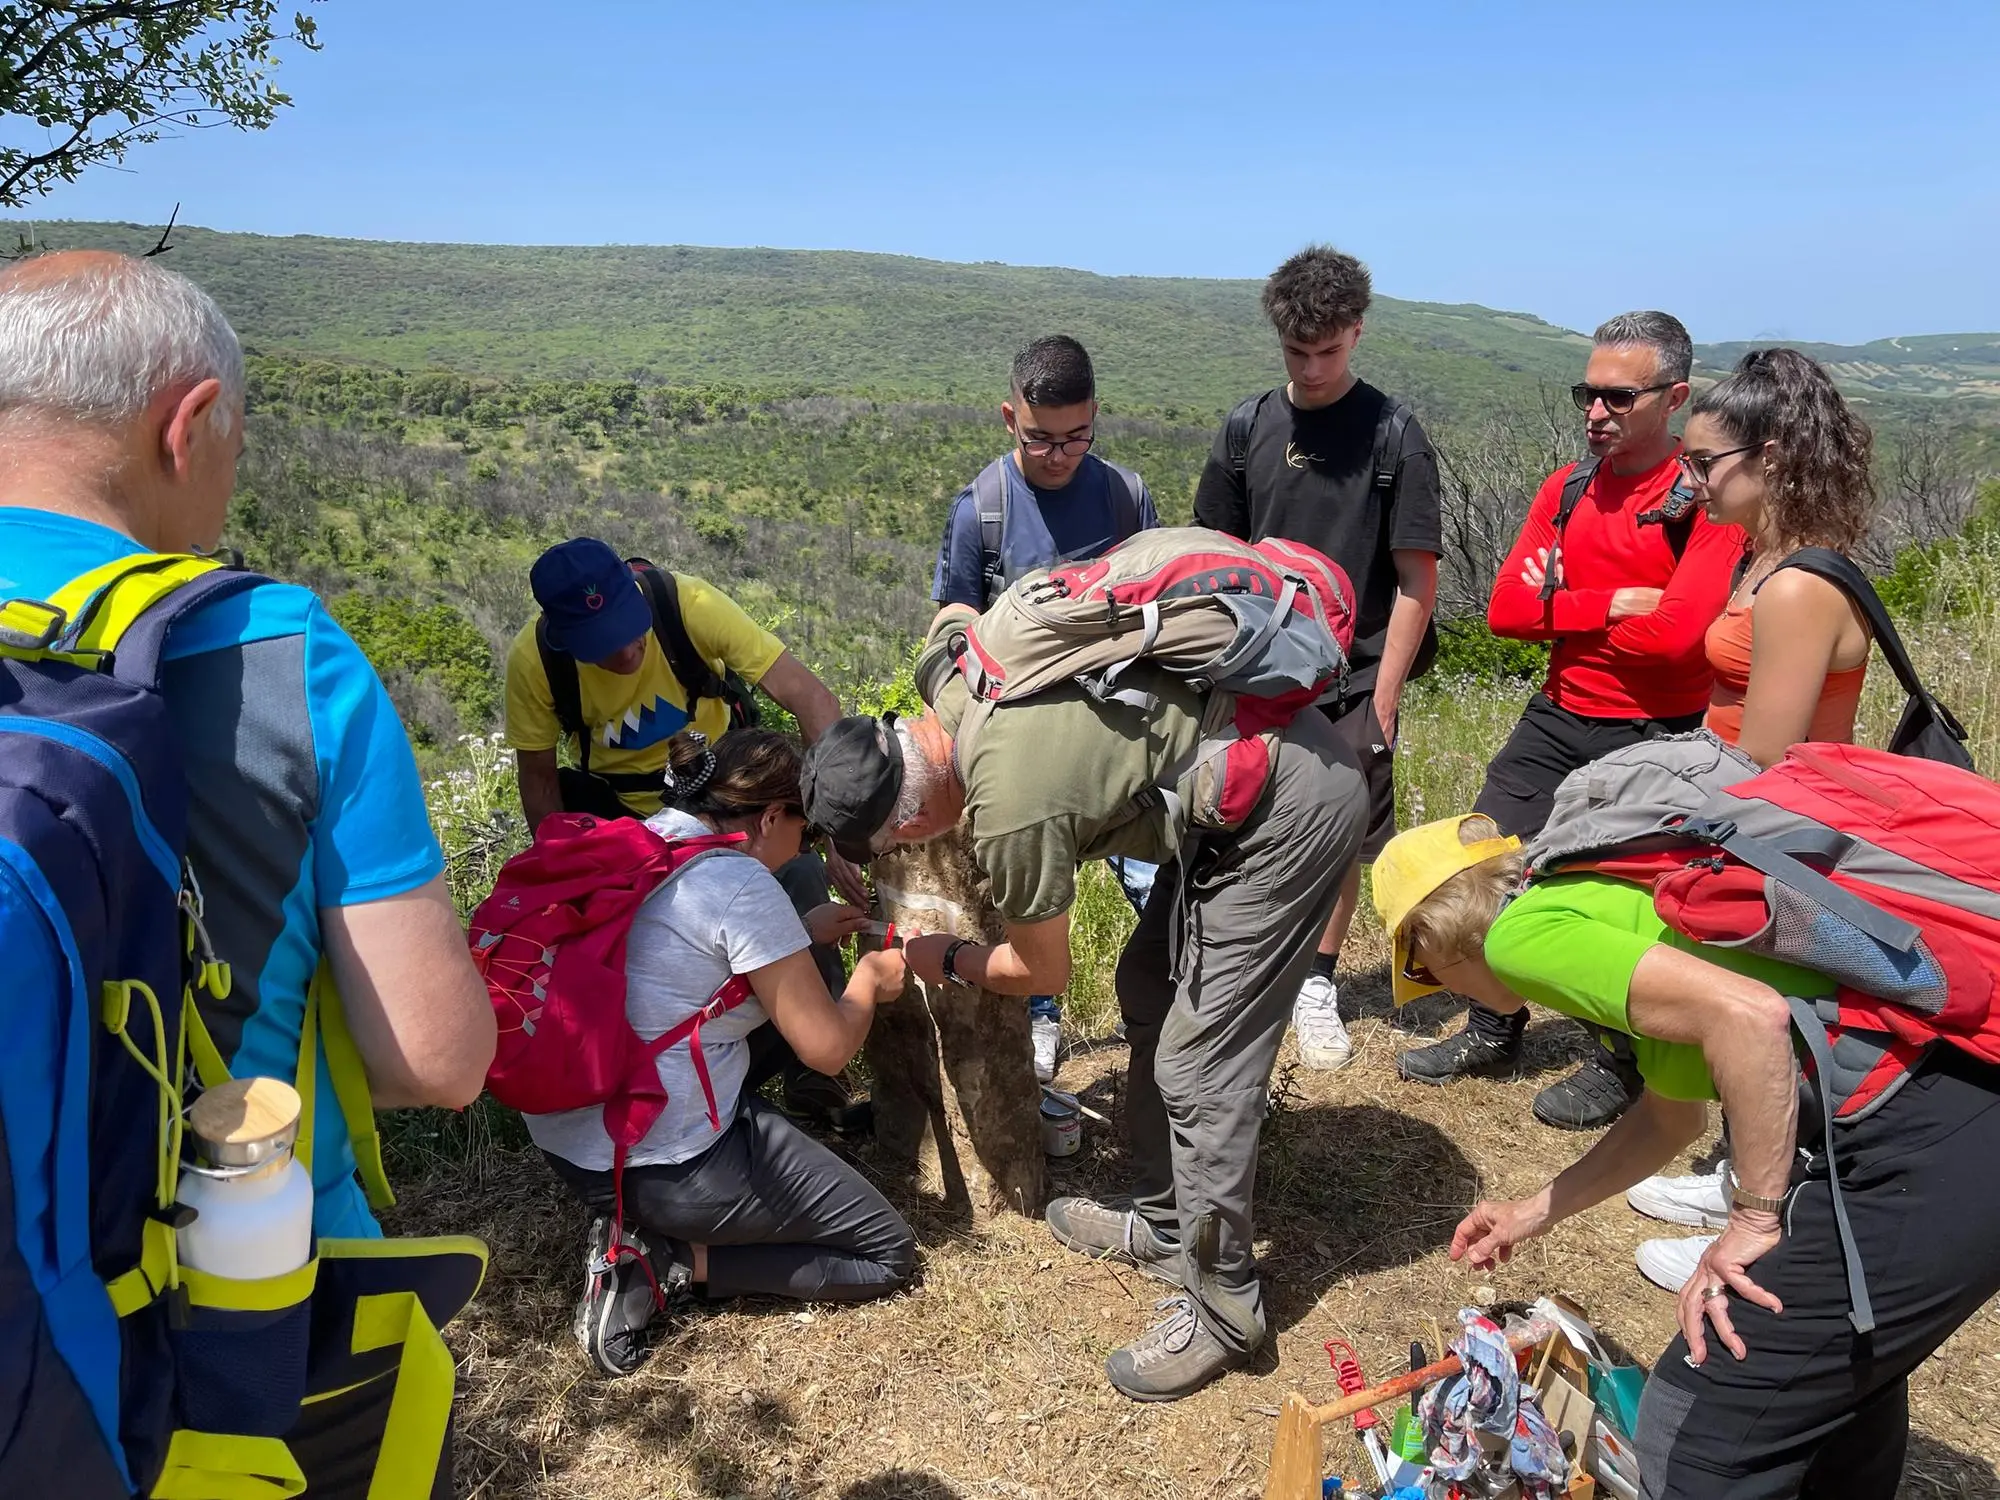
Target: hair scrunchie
pixel 683 789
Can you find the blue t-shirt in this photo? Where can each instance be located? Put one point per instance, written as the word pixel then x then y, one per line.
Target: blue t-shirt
pixel 1043 527
pixel 303 794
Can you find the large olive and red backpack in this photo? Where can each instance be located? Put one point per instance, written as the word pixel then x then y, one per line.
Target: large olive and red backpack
pixel 1880 871
pixel 1263 629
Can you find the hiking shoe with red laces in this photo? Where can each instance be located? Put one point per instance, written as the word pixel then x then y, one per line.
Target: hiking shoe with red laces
pixel 616 1311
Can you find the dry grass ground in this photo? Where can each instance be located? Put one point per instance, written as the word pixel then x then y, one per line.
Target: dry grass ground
pixel 986 1378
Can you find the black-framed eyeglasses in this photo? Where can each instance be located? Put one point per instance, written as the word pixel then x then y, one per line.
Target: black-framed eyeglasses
pixel 1617 399
pixel 1698 465
pixel 1042 447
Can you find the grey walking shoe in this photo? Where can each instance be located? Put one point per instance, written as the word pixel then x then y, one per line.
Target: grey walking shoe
pixel 1106 1233
pixel 1176 1357
pixel 619 1299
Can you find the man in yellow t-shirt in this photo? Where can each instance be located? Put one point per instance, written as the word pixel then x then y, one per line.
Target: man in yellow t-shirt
pixel 596 612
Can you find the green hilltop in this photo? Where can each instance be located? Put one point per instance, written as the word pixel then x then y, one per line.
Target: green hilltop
pixel 802 321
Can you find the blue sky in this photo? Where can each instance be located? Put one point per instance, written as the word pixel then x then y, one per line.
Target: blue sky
pixel 1765 169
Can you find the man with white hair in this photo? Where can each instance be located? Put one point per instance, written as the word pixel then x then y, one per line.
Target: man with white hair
pixel 121 420
pixel 1205 984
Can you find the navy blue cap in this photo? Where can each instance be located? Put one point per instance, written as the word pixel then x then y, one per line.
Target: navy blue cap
pixel 589 598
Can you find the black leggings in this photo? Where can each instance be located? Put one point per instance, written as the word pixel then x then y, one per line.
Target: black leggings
pixel 781 1215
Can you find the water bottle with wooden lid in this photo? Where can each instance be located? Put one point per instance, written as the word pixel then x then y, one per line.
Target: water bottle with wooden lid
pixel 253 1200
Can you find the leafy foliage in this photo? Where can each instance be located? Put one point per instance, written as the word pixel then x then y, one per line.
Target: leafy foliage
pixel 96 77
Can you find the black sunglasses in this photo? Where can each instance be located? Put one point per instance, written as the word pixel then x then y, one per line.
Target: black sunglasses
pixel 1617 399
pixel 1698 465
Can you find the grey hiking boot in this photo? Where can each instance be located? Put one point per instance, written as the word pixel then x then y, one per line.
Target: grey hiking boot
pixel 619 1298
pixel 1107 1233
pixel 1176 1357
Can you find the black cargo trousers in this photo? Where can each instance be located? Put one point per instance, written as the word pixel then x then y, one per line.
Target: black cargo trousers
pixel 1816 1410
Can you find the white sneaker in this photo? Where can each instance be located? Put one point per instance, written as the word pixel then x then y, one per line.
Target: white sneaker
pixel 1669 1263
pixel 1323 1041
pixel 1701 1201
pixel 1045 1032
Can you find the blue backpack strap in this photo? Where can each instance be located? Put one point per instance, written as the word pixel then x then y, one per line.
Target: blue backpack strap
pixel 120 613
pixel 989 500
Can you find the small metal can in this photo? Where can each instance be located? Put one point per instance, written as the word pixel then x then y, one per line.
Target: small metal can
pixel 1062 1124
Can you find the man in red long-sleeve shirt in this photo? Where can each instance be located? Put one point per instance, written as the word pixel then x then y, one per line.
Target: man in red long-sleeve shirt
pixel 1640 573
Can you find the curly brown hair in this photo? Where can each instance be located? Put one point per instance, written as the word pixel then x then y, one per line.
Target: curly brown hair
pixel 1318 292
pixel 1822 487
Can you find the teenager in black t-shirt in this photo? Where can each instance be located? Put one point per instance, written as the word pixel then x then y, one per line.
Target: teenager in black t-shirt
pixel 1307 470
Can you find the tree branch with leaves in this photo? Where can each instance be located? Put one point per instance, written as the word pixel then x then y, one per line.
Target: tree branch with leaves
pixel 82 83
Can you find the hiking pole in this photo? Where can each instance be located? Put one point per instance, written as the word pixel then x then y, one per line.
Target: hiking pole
pixel 1296 1458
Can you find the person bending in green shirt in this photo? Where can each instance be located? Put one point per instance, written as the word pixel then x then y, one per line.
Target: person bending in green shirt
pixel 1799 1403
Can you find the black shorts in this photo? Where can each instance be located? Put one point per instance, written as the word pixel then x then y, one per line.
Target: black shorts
pixel 1547 745
pixel 1355 722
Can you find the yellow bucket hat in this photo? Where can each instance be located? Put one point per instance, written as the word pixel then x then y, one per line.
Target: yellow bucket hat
pixel 1413 865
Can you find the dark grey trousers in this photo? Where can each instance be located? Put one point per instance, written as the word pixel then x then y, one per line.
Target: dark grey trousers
pixel 781 1215
pixel 1206 987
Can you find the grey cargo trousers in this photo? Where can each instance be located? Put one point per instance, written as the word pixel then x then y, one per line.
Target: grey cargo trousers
pixel 1206 987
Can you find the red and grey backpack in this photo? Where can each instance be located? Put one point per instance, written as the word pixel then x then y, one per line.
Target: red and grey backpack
pixel 550 943
pixel 1880 871
pixel 1263 629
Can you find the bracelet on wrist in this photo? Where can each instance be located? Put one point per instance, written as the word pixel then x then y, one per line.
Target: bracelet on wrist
pixel 1742 1197
pixel 949 963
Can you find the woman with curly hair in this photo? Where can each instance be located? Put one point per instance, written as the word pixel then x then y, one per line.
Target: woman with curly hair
pixel 1773 448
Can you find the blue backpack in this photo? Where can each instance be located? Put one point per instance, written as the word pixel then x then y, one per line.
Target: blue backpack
pixel 126 1372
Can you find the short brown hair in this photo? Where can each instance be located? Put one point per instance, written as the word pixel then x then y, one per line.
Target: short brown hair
pixel 1318 292
pixel 1451 921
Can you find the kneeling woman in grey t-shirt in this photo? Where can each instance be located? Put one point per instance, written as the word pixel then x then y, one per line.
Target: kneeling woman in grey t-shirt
pixel 746 1205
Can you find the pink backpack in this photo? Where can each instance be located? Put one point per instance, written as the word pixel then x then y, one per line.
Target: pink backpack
pixel 1264 629
pixel 550 943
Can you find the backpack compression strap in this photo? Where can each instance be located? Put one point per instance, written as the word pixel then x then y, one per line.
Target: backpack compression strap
pixel 1573 491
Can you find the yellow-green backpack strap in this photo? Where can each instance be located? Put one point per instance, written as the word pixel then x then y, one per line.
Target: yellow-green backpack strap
pixel 350 1087
pixel 223 1466
pixel 102 604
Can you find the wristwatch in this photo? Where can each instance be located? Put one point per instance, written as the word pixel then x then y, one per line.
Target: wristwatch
pixel 1741 1197
pixel 949 963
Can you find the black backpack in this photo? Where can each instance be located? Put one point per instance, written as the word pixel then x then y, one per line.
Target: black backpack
pixel 989 498
pixel 695 674
pixel 1385 466
pixel 1927 729
pixel 1676 513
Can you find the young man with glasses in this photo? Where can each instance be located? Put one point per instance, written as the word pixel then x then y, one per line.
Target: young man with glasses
pixel 1049 500
pixel 1329 460
pixel 1622 574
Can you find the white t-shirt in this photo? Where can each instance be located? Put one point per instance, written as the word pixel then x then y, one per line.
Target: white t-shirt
pixel 724 915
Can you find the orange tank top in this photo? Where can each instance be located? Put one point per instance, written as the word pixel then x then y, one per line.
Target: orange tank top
pixel 1728 647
